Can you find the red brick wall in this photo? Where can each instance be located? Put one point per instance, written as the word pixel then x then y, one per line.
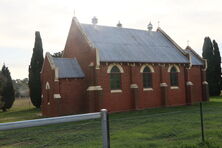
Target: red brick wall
pixel 78 47
pixel 177 96
pixel 116 101
pixel 151 98
pixel 73 93
pixel 195 78
pixel 48 75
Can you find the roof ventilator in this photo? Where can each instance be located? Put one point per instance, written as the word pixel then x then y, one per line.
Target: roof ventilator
pixel 150 26
pixel 94 20
pixel 119 25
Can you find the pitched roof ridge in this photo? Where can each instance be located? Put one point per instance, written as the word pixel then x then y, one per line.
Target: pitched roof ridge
pixel 172 41
pixel 63 58
pixel 194 52
pixel 117 27
pixel 78 24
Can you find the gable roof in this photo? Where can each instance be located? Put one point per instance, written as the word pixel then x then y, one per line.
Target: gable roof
pixel 131 45
pixel 68 68
pixel 195 58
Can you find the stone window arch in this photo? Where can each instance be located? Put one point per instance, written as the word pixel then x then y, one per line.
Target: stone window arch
pixel 117 65
pixel 115 78
pixel 174 76
pixel 147 77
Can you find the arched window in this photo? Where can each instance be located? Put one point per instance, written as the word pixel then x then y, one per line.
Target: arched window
pixel 147 78
pixel 173 76
pixel 115 78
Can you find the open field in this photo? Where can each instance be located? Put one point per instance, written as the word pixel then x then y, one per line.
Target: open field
pixel 22 109
pixel 177 127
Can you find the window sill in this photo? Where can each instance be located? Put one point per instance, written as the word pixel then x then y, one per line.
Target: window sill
pixel 147 89
pixel 116 91
pixel 174 87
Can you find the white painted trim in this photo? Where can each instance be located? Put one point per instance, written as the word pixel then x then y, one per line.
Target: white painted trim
pixel 169 68
pixel 174 87
pixel 92 88
pixel 204 82
pixel 81 30
pixel 189 83
pixel 52 65
pixel 146 65
pixel 163 85
pixel 49 57
pixel 47 86
pixel 147 89
pixel 57 96
pixel 133 86
pixel 97 59
pixel 205 64
pixel 116 91
pixel 91 64
pixel 190 61
pixel 111 66
pixel 56 73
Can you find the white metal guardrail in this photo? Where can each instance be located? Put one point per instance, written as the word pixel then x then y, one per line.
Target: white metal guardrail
pixel 103 114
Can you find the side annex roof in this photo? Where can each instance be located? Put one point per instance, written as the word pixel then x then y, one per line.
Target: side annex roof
pixel 65 67
pixel 68 68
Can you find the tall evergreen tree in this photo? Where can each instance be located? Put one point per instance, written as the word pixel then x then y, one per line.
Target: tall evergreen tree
pixel 217 70
pixel 8 93
pixel 34 71
pixel 208 53
pixel 2 83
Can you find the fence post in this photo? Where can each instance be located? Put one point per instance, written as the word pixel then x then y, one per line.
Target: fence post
pixel 105 128
pixel 202 124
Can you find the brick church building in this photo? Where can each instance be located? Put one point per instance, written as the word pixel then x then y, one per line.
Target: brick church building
pixel 120 69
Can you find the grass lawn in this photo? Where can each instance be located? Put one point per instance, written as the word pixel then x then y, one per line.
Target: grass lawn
pixel 173 127
pixel 22 109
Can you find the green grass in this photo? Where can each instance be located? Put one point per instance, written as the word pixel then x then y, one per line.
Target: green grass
pixel 173 127
pixel 22 109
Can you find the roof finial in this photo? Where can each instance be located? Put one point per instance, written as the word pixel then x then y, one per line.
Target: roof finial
pixel 119 25
pixel 188 42
pixel 150 26
pixel 158 24
pixel 94 20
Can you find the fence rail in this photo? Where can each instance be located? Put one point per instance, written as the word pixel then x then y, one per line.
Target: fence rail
pixel 103 114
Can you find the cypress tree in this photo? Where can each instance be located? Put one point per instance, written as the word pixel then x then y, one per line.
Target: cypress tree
pixel 208 54
pixel 2 83
pixel 8 93
pixel 217 66
pixel 34 71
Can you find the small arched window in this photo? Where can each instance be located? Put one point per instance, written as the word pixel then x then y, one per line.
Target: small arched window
pixel 173 76
pixel 115 78
pixel 147 78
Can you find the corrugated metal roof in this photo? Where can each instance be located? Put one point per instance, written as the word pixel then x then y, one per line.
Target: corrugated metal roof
pixel 195 60
pixel 68 68
pixel 130 45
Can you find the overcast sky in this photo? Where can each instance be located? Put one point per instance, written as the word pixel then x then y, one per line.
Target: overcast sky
pixel 182 20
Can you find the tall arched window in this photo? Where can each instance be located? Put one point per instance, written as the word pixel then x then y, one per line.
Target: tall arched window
pixel 147 78
pixel 115 78
pixel 173 76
